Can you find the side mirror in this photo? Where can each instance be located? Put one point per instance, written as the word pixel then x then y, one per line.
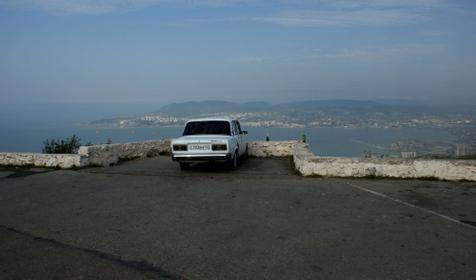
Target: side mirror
pixel 245 132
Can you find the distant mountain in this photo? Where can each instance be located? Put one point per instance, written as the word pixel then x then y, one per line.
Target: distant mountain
pixel 210 107
pixel 329 104
pixel 215 106
pixel 313 113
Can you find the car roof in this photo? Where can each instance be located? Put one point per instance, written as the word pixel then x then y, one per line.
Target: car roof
pixel 211 119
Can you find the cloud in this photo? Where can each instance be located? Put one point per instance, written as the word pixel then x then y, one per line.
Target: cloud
pixel 92 7
pixel 434 33
pixel 364 17
pixel 360 53
pixel 382 52
pixel 356 12
pixel 82 6
pixel 386 3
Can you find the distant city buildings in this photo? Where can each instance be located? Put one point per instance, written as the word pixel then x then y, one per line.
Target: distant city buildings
pixel 408 154
pixel 464 150
pixel 299 119
pixel 461 126
pixel 160 120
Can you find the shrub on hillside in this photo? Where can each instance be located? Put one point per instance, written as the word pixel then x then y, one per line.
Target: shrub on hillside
pixel 61 146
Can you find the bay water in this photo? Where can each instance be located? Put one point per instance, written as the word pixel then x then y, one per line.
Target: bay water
pixel 26 137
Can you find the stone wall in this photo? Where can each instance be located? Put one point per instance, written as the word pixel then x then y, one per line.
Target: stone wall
pixel 108 154
pixel 271 148
pixel 103 155
pixel 310 165
pixel 304 160
pixel 41 160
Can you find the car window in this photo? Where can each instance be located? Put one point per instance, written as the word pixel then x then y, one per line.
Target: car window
pixel 239 127
pixel 235 131
pixel 207 127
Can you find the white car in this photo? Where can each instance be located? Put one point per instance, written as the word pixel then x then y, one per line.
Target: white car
pixel 210 140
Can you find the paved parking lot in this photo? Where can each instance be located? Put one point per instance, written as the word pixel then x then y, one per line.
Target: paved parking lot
pixel 145 219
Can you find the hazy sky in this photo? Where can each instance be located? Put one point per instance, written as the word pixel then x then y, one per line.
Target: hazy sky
pixel 238 50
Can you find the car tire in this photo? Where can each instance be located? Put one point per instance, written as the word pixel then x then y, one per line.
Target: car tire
pixel 184 166
pixel 233 164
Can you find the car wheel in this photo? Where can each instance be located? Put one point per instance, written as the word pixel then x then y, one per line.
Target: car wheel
pixel 184 166
pixel 234 162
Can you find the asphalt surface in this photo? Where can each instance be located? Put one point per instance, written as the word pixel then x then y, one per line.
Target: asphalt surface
pixel 146 219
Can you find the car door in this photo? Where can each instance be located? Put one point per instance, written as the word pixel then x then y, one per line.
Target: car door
pixel 243 141
pixel 239 138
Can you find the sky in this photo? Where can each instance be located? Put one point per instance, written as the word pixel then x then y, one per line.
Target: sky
pixel 160 51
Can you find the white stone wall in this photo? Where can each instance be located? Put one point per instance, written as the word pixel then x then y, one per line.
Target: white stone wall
pixel 271 148
pixel 108 154
pixel 41 160
pixel 304 160
pixel 310 165
pixel 103 155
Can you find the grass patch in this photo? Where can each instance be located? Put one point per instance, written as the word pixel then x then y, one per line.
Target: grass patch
pixel 431 178
pixel 11 166
pixel 129 158
pixel 31 166
pixel 443 157
pixel 93 165
pixel 465 181
pixel 320 176
pixel 469 157
pixel 375 177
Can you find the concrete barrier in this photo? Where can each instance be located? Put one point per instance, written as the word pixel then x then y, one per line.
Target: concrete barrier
pixel 42 160
pixel 103 155
pixel 108 154
pixel 310 165
pixel 271 148
pixel 305 161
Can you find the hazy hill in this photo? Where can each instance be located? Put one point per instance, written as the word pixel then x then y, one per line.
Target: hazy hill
pixel 314 113
pixel 215 106
pixel 211 106
pixel 328 104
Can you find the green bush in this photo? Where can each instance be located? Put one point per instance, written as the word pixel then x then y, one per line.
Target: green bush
pixel 60 146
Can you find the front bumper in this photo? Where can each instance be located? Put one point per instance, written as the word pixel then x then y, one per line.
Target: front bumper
pixel 201 157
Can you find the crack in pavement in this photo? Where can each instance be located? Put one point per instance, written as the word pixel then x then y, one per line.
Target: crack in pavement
pixel 139 266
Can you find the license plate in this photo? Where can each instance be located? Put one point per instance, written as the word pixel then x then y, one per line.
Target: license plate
pixel 199 147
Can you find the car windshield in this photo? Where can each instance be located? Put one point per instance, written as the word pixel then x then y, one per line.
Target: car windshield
pixel 207 127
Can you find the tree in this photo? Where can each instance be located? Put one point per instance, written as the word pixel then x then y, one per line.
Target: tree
pixel 61 146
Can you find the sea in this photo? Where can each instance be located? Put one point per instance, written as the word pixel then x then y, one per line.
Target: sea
pixel 25 127
pixel 354 142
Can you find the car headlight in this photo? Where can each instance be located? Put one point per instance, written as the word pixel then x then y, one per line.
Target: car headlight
pixel 178 147
pixel 218 147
